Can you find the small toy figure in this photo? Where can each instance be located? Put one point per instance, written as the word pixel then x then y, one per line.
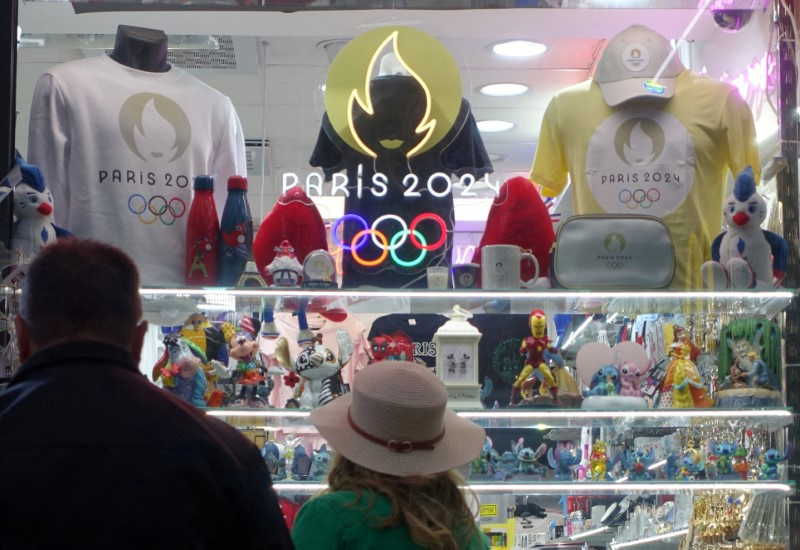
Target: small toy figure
pixel 275 458
pixel 739 463
pixel 744 255
pixel 690 463
pixel 563 460
pixel 249 371
pixel 637 463
pixel 301 464
pixel 527 458
pixel 537 351
pixel 506 465
pixel 682 376
pixel 33 227
pixel 631 377
pixel 598 461
pixel 749 364
pixel 320 463
pixel 724 451
pixel 486 463
pixel 688 468
pixel 771 459
pixel 319 371
pixel 396 347
pixel 605 381
pixel 671 467
pixel 180 370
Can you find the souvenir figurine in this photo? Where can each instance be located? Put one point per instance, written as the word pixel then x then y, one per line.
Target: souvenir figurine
pixel 598 462
pixel 320 463
pixel 537 351
pixel 301 464
pixel 671 466
pixel 739 463
pixel 744 255
pixel 486 462
pixel 562 461
pixel 749 364
pixel 180 370
pixel 274 457
pixel 637 463
pixel 527 458
pixel 605 381
pixel 319 371
pixel 631 377
pixel 771 459
pixel 723 452
pixel 506 465
pixel 690 463
pixel 682 382
pixel 600 369
pixel 249 371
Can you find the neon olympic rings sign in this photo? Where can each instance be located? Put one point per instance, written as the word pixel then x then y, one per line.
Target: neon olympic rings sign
pixel 389 246
pixel 158 206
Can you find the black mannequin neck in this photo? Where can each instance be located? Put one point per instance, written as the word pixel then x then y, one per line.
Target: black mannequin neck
pixel 140 48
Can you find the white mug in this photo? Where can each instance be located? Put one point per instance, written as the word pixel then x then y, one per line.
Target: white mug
pixel 501 267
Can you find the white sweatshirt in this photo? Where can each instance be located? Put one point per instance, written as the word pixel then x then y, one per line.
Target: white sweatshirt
pixel 119 149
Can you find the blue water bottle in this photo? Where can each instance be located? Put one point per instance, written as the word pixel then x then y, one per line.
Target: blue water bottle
pixel 235 232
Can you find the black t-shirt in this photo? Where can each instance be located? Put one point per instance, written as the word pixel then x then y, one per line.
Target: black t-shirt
pixel 460 152
pixel 498 349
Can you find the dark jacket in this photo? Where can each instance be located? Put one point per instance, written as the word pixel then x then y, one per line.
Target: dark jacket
pixel 93 455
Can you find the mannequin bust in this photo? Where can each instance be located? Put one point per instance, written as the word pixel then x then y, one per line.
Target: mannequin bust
pixel 141 48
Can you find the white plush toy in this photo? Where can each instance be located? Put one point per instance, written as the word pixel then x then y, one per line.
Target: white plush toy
pixel 744 255
pixel 33 225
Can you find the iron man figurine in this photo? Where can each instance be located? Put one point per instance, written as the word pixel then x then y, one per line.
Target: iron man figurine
pixel 537 350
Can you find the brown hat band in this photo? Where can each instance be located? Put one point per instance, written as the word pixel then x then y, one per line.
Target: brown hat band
pixel 393 444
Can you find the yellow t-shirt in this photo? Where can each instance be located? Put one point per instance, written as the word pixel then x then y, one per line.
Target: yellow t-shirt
pixel 664 158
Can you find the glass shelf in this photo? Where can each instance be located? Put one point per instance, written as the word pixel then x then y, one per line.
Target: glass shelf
pixel 301 5
pixel 770 419
pixel 675 537
pixel 588 487
pixel 753 302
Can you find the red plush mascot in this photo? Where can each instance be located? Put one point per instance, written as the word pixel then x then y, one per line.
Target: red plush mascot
pixel 291 230
pixel 519 216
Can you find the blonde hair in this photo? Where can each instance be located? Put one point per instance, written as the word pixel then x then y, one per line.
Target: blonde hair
pixel 433 506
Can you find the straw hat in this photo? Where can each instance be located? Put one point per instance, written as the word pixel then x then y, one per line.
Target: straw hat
pixel 396 421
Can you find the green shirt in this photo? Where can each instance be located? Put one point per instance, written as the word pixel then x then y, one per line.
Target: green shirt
pixel 330 521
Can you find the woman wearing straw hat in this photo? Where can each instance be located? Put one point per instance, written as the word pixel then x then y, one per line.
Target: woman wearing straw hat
pixel 391 485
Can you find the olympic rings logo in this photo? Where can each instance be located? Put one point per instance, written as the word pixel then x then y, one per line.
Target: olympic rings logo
pixel 389 246
pixel 161 210
pixel 639 198
pixel 615 265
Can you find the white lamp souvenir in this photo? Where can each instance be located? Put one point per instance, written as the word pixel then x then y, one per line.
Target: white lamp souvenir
pixel 457 359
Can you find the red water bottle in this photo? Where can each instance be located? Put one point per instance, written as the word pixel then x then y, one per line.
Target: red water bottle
pixel 202 232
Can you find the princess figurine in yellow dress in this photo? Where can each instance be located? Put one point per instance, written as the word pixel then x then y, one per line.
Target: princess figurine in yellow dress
pixel 682 382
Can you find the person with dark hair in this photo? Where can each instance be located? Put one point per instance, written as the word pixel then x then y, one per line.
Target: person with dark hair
pixel 96 456
pixel 393 484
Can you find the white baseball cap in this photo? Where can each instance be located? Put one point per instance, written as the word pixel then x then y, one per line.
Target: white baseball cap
pixel 630 64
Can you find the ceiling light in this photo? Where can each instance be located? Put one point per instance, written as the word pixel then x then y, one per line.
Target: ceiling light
pixel 491 126
pixel 519 48
pixel 503 89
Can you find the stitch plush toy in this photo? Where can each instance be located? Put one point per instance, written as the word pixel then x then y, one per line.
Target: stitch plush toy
pixel 744 255
pixel 33 209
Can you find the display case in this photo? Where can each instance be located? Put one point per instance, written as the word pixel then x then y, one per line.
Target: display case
pixel 271 57
pixel 663 503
